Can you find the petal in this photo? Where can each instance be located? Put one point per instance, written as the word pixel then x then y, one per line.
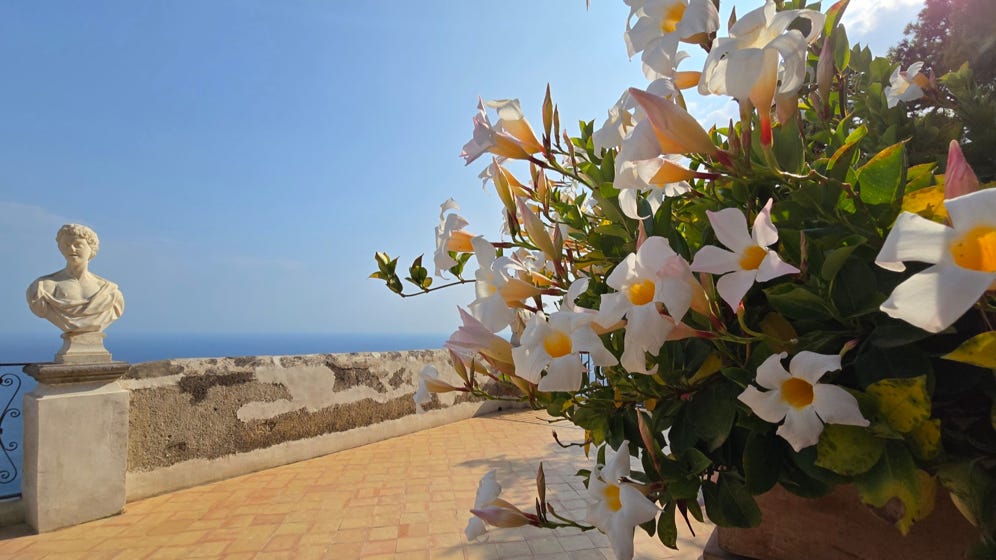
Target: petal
pixel 730 226
pixel 768 405
pixel 792 48
pixel 628 203
pixel 811 366
pixel 646 328
pixel 938 296
pixel 529 362
pixel 913 238
pixel 623 274
pixel 837 406
pixel 636 508
pixel 585 340
pixel 563 374
pixel 714 260
pixel 577 288
pixel 802 428
pixel 492 312
pixel 612 309
pixel 675 294
pixel 618 466
pixel 621 538
pixel 475 528
pixel 771 374
pixel 653 255
pixel 735 285
pixel 971 210
pixel 764 233
pixel 773 266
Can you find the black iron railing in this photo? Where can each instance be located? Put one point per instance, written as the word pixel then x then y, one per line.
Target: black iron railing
pixel 10 387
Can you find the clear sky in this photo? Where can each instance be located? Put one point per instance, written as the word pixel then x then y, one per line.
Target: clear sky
pixel 242 160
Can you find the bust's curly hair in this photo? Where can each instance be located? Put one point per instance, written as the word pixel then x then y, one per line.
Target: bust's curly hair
pixel 70 231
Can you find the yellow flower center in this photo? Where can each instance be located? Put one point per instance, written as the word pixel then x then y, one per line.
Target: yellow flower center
pixel 798 393
pixel 641 292
pixel 672 17
pixel 612 497
pixel 976 250
pixel 752 257
pixel 557 344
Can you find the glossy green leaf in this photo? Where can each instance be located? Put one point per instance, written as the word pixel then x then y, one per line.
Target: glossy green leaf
pixel 883 178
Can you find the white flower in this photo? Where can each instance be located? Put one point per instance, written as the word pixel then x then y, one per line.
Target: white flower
pixel 428 383
pixel 450 236
pixel 618 507
pixel 661 24
pixel 745 64
pixel 750 260
pixel 511 138
pixel 654 274
pixel 905 85
pixel 488 491
pixel 498 289
pixel 556 346
pixel 798 398
pixel 963 258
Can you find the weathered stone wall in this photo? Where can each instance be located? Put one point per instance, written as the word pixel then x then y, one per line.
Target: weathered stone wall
pixel 197 420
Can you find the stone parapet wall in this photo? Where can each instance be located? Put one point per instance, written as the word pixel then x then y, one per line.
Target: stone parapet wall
pixel 194 421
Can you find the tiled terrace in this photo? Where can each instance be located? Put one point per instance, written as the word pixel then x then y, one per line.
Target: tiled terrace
pixel 406 497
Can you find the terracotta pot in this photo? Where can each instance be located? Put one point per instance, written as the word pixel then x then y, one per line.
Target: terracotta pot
pixel 838 526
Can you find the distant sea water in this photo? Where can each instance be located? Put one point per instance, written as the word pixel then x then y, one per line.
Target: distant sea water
pixel 146 347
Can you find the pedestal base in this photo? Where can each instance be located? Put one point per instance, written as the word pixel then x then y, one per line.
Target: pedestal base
pixel 82 348
pixel 75 453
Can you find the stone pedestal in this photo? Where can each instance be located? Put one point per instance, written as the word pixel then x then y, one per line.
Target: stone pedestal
pixel 83 348
pixel 75 444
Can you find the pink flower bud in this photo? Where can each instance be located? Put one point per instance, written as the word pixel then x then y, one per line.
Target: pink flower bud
pixel 959 179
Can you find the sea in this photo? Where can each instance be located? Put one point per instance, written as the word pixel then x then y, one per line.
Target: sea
pixel 137 347
pixel 17 349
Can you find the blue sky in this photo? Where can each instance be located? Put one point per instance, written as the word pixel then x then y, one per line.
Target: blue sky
pixel 243 160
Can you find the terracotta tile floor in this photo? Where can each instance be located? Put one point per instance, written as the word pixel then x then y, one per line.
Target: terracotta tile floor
pixel 406 497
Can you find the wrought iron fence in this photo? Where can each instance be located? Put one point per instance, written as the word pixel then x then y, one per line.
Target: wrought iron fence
pixel 10 440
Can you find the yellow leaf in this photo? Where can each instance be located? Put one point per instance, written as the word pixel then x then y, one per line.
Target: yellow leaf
pixel 980 350
pixel 927 202
pixel 711 365
pixel 928 494
pixel 926 439
pixel 904 403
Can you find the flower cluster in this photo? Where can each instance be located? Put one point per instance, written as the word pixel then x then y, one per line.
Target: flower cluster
pixel 630 296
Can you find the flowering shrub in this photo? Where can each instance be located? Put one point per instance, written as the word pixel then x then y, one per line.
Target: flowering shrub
pixel 846 336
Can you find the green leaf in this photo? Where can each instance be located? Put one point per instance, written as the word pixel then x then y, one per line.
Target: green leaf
pixel 833 15
pixel 729 504
pixel 835 259
pixel 841 49
pixel 853 290
pixel 882 179
pixel 788 148
pixel 904 403
pixel 667 530
pixel 796 302
pixel 848 450
pixel 761 464
pixel 980 350
pixel 713 414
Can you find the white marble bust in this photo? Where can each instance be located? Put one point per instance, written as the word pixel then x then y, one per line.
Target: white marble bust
pixel 76 300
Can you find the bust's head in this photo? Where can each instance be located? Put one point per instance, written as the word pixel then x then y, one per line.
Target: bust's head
pixel 77 242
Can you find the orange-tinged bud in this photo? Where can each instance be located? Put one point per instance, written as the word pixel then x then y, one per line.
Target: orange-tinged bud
pixel 671 173
pixel 677 131
pixel 536 230
pixel 686 79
